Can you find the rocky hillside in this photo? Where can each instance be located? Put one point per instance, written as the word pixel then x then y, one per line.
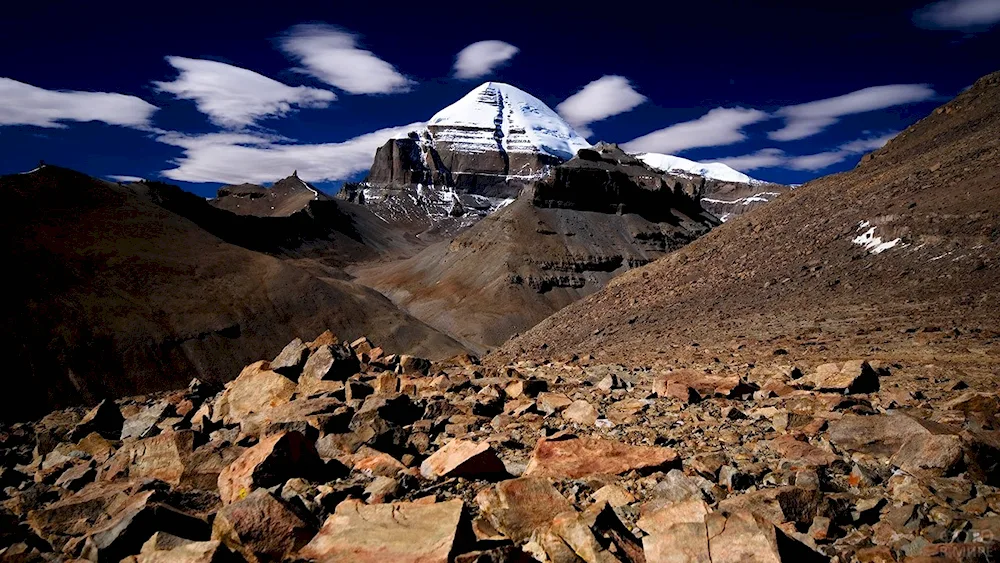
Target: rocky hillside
pixel 897 258
pixel 594 217
pixel 118 291
pixel 286 197
pixel 340 453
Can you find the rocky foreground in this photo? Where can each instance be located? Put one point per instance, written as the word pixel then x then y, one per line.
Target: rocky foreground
pixel 337 452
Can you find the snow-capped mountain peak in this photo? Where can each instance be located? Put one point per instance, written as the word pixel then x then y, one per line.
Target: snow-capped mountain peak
pixel 711 170
pixel 497 115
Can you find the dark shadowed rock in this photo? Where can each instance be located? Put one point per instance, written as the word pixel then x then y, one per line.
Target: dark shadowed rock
pixel 331 362
pixel 855 376
pixel 105 419
pixel 290 361
pixel 272 461
pixel 462 458
pixel 261 528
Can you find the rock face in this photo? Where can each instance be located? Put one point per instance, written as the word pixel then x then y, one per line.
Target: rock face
pixel 440 462
pixel 601 214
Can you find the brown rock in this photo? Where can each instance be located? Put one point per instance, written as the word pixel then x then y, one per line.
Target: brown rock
pixel 801 453
pixel 551 403
pixel 386 382
pixel 374 462
pixel 403 532
pixel 704 384
pixel 331 362
pixel 187 552
pixel 320 415
pixel 291 359
pixel 569 457
pixel 517 507
pixel 261 528
pixel 164 457
pixel 256 389
pixel 581 412
pixel 777 505
pixel 855 376
pixel 273 460
pixel 462 458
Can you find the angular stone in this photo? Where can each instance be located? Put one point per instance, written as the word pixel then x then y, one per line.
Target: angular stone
pixel 704 384
pixel 413 364
pixel 261 528
pixel 256 389
pixel 357 390
pixel 581 412
pixel 79 513
pixel 938 454
pixel 569 457
pixel 462 458
pixel 143 424
pixel 614 495
pixel 105 419
pixel 855 376
pixel 272 461
pixel 374 462
pixel 125 534
pixel 164 457
pixel 321 415
pixel 777 505
pixel 526 388
pixel 403 532
pixel 74 478
pixel 801 453
pixel 187 552
pixel 291 359
pixel 386 383
pixel 551 403
pixel 517 507
pixel 52 429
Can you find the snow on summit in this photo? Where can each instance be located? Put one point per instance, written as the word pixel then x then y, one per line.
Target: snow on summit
pixel 712 170
pixel 497 115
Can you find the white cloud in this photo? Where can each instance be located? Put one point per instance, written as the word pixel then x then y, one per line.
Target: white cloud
pixel 968 15
pixel 332 55
pixel 805 120
pixel 764 158
pixel 720 126
pixel 24 104
pixel 480 58
pixel 234 158
pixel 777 158
pixel 236 97
pixel 601 99
pixel 125 178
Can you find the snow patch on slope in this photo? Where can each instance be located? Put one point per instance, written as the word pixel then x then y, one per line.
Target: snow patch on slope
pixel 712 170
pixel 872 243
pixel 497 115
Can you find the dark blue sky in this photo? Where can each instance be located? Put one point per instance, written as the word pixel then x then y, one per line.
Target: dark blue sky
pixel 686 59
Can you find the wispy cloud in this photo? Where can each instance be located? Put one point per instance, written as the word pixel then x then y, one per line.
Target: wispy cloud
pixel 965 15
pixel 125 178
pixel 718 127
pixel 480 58
pixel 601 99
pixel 332 55
pixel 808 119
pixel 235 97
pixel 764 158
pixel 24 104
pixel 233 158
pixel 777 158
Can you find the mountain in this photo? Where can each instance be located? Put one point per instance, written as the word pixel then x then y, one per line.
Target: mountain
pixel 896 259
pixel 120 290
pixel 284 198
pixel 592 218
pixel 710 170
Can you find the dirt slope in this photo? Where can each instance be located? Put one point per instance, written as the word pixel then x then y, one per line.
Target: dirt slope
pixel 112 294
pixel 797 276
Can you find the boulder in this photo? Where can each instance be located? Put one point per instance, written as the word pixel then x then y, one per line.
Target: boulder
pixel 164 457
pixel 143 424
pixel 517 507
pixel 274 460
pixel 256 389
pixel 331 362
pixel 402 532
pixel 462 458
pixel 261 528
pixel 855 376
pixel 186 552
pixel 551 403
pixel 581 412
pixel 678 383
pixel 801 453
pixel 292 358
pixel 569 457
pixel 777 505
